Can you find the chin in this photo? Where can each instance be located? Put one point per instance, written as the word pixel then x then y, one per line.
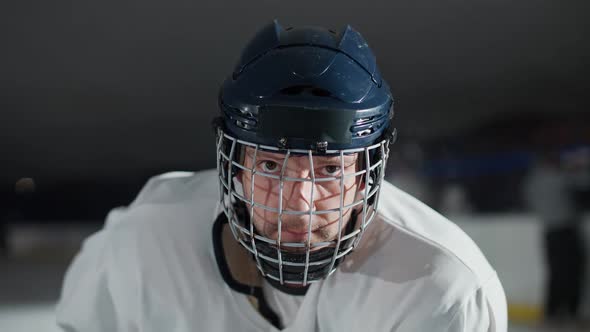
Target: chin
pixel 325 234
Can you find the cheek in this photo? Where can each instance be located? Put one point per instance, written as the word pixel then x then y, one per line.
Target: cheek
pixel 351 193
pixel 329 197
pixel 330 232
pixel 265 193
pixel 264 189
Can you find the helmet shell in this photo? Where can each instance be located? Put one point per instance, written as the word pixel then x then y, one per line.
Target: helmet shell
pixel 306 88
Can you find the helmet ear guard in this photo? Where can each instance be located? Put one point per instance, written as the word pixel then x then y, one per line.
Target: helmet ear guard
pixel 377 155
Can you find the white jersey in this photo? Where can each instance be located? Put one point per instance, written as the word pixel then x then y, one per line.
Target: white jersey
pixel 152 269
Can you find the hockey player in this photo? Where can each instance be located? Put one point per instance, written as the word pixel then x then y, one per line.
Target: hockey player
pixel 296 229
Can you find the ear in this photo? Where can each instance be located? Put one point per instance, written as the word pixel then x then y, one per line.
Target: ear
pixel 361 183
pixel 361 186
pixel 360 179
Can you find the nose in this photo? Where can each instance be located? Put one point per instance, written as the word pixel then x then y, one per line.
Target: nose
pixel 297 195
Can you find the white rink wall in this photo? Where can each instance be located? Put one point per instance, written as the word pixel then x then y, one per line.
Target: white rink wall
pixel 513 244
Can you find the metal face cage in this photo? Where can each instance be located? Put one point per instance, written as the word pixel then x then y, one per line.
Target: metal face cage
pixel 319 245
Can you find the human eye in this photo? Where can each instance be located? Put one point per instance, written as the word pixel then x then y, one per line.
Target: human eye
pixel 269 166
pixel 330 170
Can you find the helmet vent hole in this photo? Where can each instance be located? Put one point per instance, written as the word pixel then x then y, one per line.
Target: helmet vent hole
pixel 244 125
pixel 365 132
pixel 364 120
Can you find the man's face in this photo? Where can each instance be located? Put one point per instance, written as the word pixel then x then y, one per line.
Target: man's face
pixel 297 195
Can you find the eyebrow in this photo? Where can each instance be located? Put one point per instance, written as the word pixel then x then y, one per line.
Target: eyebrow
pixel 349 159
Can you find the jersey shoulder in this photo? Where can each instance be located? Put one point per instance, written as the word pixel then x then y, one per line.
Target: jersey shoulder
pixel 173 207
pixel 172 210
pixel 173 187
pixel 423 227
pixel 168 192
pixel 415 261
pixel 162 239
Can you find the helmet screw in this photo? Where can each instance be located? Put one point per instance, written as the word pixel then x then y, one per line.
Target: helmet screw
pixel 321 147
pixel 283 142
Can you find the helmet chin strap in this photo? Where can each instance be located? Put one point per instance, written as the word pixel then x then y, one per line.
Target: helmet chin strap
pixel 295 272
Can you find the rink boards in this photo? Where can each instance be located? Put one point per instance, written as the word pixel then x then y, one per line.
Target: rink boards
pixel 513 245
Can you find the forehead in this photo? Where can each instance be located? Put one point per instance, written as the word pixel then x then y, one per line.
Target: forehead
pixel 263 154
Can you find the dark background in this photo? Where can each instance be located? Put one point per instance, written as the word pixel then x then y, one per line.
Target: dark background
pixel 96 96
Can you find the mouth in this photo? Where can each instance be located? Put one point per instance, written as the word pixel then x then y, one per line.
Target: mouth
pixel 296 231
pixel 301 237
pixel 299 231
